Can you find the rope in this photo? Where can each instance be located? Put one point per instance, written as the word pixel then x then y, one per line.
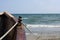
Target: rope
pixel 37 37
pixel 27 28
pixel 8 31
pixel 31 31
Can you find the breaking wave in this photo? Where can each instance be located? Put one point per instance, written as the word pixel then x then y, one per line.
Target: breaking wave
pixel 25 18
pixel 37 25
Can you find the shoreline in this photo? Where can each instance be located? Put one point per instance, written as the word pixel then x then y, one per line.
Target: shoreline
pixel 43 37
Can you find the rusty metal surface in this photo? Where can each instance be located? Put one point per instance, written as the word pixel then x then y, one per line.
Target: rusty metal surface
pixel 6 22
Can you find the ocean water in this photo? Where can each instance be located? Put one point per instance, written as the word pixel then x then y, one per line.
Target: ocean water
pixel 41 23
pixel 52 19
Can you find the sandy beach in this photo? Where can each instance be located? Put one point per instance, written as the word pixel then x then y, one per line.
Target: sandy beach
pixel 43 37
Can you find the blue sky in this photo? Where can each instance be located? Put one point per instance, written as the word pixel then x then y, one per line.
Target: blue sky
pixel 30 6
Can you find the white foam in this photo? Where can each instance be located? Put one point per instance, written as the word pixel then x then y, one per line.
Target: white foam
pixel 37 25
pixel 24 18
pixel 30 33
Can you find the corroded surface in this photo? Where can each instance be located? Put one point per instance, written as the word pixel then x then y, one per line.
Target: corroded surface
pixel 5 24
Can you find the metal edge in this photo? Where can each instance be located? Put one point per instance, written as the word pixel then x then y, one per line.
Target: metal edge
pixel 16 20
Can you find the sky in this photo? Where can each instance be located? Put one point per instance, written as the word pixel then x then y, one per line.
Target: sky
pixel 30 6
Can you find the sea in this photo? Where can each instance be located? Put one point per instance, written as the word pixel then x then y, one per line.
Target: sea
pixel 41 23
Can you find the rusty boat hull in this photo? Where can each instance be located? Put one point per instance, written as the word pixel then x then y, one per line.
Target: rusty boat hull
pixel 6 22
pixel 11 28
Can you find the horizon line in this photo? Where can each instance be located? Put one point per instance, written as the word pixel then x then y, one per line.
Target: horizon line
pixel 35 13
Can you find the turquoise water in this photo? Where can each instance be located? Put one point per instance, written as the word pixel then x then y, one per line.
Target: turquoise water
pixel 41 23
pixel 40 18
